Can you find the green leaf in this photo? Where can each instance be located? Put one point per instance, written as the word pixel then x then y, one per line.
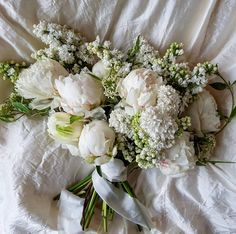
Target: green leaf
pixel 133 51
pixel 233 113
pixel 233 83
pixel 21 107
pixel 94 76
pixel 7 119
pixel 74 118
pixel 219 85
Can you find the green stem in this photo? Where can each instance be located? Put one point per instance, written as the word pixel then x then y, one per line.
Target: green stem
pixel 74 189
pixel 82 183
pixel 110 213
pixel 205 162
pixel 87 200
pixel 104 215
pixel 127 188
pixel 90 211
pixel 218 161
pixel 232 102
pixel 94 76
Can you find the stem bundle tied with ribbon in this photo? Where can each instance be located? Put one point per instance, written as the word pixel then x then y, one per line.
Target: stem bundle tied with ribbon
pixel 113 197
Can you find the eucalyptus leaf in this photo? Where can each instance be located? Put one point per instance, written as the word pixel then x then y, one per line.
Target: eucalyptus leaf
pixel 21 107
pixel 219 85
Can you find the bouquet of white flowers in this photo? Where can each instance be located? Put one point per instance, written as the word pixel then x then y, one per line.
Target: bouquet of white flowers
pixel 119 112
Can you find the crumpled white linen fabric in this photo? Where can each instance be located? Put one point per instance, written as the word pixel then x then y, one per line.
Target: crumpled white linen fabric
pixel 33 168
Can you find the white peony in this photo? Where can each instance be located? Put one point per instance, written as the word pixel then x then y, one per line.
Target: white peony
pixel 203 113
pixel 180 157
pixel 140 88
pixel 100 70
pixel 79 93
pixel 96 142
pixel 37 82
pixel 65 129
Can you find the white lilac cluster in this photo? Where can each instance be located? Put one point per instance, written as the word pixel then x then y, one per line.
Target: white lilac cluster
pixel 127 147
pixel 200 76
pixel 142 53
pixel 160 127
pixel 121 121
pixel 168 100
pixel 65 46
pixel 173 52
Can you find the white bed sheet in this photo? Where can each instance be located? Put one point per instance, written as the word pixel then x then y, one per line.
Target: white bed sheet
pixel 33 168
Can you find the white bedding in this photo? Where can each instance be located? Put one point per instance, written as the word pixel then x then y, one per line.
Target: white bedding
pixel 33 168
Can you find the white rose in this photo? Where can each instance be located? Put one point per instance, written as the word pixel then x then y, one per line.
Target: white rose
pixel 203 113
pixel 140 88
pixel 65 129
pixel 79 93
pixel 37 82
pixel 100 70
pixel 180 157
pixel 96 142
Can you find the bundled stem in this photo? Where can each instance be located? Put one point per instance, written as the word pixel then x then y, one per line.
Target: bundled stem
pixel 229 87
pixel 104 215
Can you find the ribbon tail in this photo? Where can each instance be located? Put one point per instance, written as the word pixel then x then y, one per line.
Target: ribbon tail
pixel 121 202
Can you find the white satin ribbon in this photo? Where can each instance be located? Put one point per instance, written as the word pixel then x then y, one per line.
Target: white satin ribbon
pixel 114 170
pixel 70 213
pixel 121 202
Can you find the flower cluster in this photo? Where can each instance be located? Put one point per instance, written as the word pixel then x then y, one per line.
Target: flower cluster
pixel 140 106
pixel 112 60
pixel 65 46
pixel 10 71
pixel 142 53
pixel 117 111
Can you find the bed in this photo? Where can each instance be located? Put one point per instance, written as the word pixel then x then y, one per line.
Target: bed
pixel 33 168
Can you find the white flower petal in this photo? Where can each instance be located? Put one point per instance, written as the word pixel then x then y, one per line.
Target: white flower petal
pixel 37 81
pixel 139 88
pixel 97 139
pixel 79 93
pixel 180 157
pixel 203 113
